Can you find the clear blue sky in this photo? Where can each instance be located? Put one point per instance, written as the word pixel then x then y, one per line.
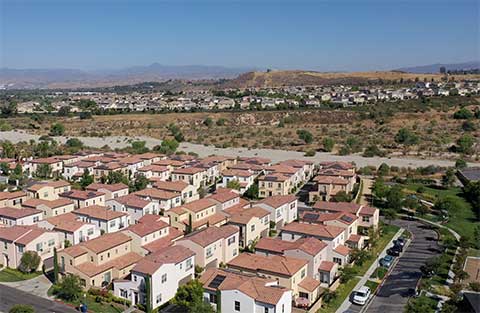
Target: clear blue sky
pixel 320 35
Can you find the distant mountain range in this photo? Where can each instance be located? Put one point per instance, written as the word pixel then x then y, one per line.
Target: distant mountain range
pixel 435 68
pixel 72 78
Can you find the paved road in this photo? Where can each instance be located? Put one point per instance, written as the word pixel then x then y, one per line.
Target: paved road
pixel 393 295
pixel 11 296
pixel 274 155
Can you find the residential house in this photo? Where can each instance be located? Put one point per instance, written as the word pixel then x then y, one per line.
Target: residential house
pixel 244 293
pixel 16 240
pixel 213 245
pixel 245 178
pixel 196 214
pixel 155 171
pixel 224 198
pixel 99 261
pixel 107 220
pixel 13 216
pixel 111 191
pixel 368 216
pixel 283 209
pixel 195 176
pixel 48 190
pixel 274 184
pixel 165 199
pixel 167 270
pixel 55 165
pixel 12 199
pixel 73 229
pixel 188 192
pixel 50 207
pixel 134 206
pixel 253 223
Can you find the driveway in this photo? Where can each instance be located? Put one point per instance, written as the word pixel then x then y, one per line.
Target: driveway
pixel 10 296
pixel 399 285
pixel 37 286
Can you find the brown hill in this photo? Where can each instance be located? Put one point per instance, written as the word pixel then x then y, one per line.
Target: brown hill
pixel 308 78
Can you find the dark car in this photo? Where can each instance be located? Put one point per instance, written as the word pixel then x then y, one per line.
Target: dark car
pixel 401 241
pixel 398 246
pixel 393 252
pixel 386 261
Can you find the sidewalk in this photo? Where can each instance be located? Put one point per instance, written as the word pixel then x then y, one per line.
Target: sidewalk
pixel 454 233
pixel 346 303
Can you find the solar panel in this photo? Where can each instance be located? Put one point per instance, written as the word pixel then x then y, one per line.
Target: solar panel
pixel 347 219
pixel 216 281
pixel 310 216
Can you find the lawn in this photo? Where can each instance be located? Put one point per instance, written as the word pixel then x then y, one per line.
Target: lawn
pixel 388 231
pixel 379 273
pixel 343 292
pixel 12 275
pixel 98 307
pixel 462 220
pixel 372 285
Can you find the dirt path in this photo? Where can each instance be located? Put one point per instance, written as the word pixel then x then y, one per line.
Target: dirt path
pixel 274 155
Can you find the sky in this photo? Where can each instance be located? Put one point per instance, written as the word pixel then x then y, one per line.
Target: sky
pixel 330 35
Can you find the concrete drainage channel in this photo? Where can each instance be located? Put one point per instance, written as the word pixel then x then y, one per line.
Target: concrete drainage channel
pixel 365 307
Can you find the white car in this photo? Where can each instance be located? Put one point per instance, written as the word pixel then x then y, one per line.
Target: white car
pixel 361 296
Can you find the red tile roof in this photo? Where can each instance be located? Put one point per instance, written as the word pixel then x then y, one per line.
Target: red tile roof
pixel 282 265
pixel 109 187
pixel 14 213
pixel 211 234
pixel 278 201
pixel 99 212
pixel 169 255
pixel 323 231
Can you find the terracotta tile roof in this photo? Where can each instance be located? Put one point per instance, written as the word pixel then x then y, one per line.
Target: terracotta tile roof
pixel 50 160
pixel 109 187
pixel 330 180
pixel 323 231
pixel 68 222
pixel 283 169
pixel 253 286
pixel 326 266
pixel 53 183
pixel 99 212
pixel 256 160
pixel 366 210
pixel 52 204
pixel 348 207
pixel 199 205
pixel 335 172
pixel 309 284
pixel 275 177
pixel 153 168
pixel 110 166
pixel 132 201
pixel 246 167
pixel 173 235
pixel 223 195
pixel 14 213
pixel 211 234
pixel 282 265
pixel 178 210
pixel 296 163
pixel 314 217
pixel 167 162
pixel 343 250
pixel 81 194
pixel 4 195
pixel 309 245
pixel 237 208
pixel 154 193
pixel 354 238
pixel 188 170
pixel 337 164
pixel 246 215
pixel 210 220
pixel 130 160
pixel 149 155
pixel 146 228
pixel 169 255
pixel 119 263
pixel 278 201
pixel 237 173
pixel 79 164
pixel 75 251
pixel 176 186
pixel 106 242
pixel 20 234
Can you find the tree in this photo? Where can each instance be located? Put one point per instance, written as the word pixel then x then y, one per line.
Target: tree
pixel 8 149
pixel 390 214
pixel 21 308
pixel 4 168
pixel 448 178
pixel 394 198
pixel 116 177
pixel 463 114
pixel 379 189
pixel 29 262
pixel 469 126
pixel 372 150
pixel 64 111
pixel 472 194
pixel 189 297
pixel 476 236
pixel 141 182
pixel 347 273
pixel 383 170
pixel 305 135
pixel 420 305
pixel 86 179
pixel 406 137
pixel 139 147
pixel 234 184
pixel 460 164
pixel 252 191
pixel 168 146
pixel 208 122
pixel 221 121
pixel 342 196
pixel 69 288
pixel 9 108
pixel 359 256
pixel 328 144
pixel 57 129
pixel 465 144
pixel 55 266
pixel 74 143
pixel 148 293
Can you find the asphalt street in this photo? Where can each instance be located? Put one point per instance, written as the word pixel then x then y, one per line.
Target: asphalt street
pixel 400 284
pixel 11 296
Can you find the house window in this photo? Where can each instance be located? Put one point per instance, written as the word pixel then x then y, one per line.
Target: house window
pixel 189 264
pixel 51 242
pixel 5 246
pixel 134 278
pixel 337 260
pixel 237 306
pixel 35 219
pixel 90 231
pixel 20 249
pixel 303 273
pixel 112 223
pixel 265 310
pixel 39 247
pixel 209 252
pixel 213 298
pixel 159 298
pixel 231 240
pixel 366 219
pixel 164 278
pixel 234 252
pixel 252 228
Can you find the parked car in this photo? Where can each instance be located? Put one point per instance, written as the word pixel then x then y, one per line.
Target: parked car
pixel 400 241
pixel 393 252
pixel 361 295
pixel 398 246
pixel 386 261
pixel 426 272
